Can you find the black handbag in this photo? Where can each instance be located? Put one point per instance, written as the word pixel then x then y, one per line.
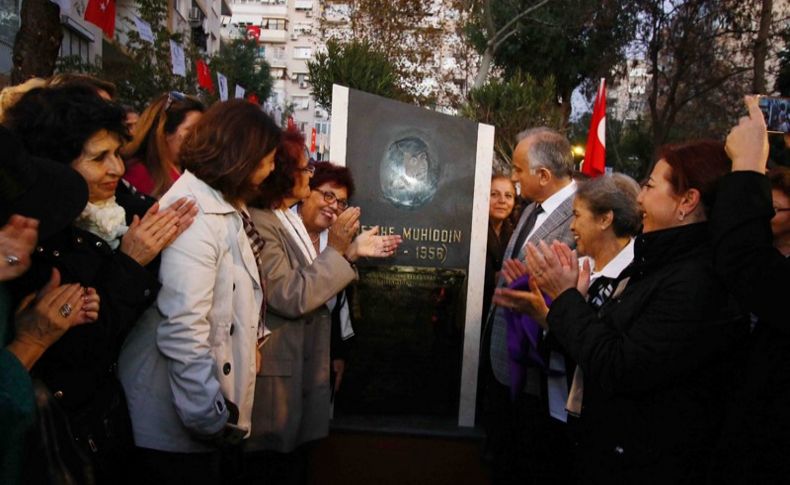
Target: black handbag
pixel 102 429
pixel 53 457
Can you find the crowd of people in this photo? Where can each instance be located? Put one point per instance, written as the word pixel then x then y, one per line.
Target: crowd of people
pixel 175 310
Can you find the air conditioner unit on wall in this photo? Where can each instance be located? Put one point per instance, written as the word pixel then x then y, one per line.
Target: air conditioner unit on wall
pixel 294 36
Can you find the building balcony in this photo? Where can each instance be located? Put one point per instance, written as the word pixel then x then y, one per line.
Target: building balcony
pixel 277 63
pixel 272 10
pixel 273 35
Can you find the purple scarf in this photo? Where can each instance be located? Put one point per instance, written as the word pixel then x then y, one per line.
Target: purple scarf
pixel 523 335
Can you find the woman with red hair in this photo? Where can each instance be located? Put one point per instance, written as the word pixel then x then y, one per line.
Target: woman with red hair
pixel 292 393
pixel 658 356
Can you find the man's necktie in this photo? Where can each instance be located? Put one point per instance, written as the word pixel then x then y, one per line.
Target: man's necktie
pixel 526 229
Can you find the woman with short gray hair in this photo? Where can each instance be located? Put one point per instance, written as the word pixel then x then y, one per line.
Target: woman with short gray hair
pixel 606 217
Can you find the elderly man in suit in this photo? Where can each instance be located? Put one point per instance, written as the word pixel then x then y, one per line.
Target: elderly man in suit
pixel 527 439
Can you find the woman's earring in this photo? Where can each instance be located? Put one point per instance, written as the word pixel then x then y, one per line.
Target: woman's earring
pixel 681 216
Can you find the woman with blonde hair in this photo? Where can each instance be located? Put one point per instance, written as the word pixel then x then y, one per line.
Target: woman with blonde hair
pixel 152 155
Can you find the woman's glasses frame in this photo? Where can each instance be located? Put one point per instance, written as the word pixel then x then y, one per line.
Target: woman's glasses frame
pixel 330 198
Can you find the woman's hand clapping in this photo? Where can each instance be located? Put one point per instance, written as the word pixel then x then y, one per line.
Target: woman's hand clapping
pixel 146 237
pixel 370 245
pixel 343 230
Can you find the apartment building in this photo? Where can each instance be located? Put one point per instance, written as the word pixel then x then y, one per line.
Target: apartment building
pixel 627 98
pixel 199 20
pixel 287 39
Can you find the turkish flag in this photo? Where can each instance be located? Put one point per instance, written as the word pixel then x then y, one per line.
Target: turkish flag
pixel 101 13
pixel 253 98
pixel 595 153
pixel 253 32
pixel 312 141
pixel 204 75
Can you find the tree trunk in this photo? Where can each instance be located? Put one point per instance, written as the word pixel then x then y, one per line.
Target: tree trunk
pixel 761 47
pixel 485 66
pixel 37 43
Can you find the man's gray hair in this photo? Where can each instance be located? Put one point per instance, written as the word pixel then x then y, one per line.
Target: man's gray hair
pixel 552 151
pixel 532 132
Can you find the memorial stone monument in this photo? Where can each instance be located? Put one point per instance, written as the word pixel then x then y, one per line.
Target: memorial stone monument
pixel 426 176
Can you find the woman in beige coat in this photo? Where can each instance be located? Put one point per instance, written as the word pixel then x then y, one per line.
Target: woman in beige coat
pixel 291 405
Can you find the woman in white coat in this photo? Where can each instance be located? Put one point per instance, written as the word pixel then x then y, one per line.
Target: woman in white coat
pixel 188 368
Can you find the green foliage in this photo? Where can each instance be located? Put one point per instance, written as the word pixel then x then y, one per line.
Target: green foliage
pixel 76 64
pixel 239 62
pixel 145 71
pixel 574 41
pixel 356 65
pixel 513 105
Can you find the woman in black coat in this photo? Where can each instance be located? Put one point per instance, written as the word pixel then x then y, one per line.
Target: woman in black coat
pixel 109 247
pixel 658 357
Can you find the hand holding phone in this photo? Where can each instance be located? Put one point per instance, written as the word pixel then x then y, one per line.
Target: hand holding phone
pixel 776 112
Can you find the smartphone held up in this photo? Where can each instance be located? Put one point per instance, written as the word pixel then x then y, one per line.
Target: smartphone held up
pixel 776 111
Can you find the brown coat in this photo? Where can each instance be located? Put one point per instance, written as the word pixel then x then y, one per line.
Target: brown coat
pixel 292 393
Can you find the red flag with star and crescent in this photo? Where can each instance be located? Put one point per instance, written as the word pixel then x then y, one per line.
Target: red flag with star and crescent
pixel 595 153
pixel 204 75
pixel 101 13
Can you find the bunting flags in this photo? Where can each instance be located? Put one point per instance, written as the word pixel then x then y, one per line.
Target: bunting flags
pixel 239 92
pixel 101 13
pixel 595 153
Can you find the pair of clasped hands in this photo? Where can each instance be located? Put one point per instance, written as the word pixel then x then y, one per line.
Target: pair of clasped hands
pixel 555 268
pixel 43 318
pixel 552 269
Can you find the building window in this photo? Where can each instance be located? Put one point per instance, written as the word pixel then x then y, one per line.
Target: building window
pixel 303 52
pixel 274 24
pixel 301 102
pixel 75 45
pixel 275 53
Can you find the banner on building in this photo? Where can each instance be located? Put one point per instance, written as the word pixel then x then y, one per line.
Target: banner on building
pixel 222 82
pixel 178 59
pixel 65 6
pixel 144 29
pixel 239 94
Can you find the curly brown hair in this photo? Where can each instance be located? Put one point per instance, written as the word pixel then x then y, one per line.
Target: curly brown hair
pixel 334 174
